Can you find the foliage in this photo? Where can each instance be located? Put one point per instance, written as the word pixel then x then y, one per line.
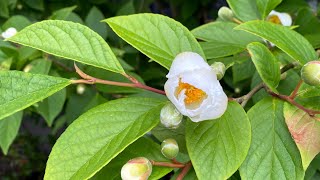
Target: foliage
pixel 94 71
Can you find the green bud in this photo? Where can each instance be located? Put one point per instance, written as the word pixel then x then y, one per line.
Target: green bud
pixel 310 73
pixel 225 13
pixel 138 168
pixel 219 68
pixel 169 148
pixel 27 68
pixel 170 117
pixel 81 88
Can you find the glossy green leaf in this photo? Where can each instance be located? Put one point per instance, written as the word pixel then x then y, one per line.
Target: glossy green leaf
pixel 245 10
pixel 286 39
pixel 99 135
pixel 93 21
pixel 305 131
pixel 222 40
pixel 71 41
pixel 136 149
pixel 158 37
pixel 266 64
pixel 9 128
pixel 18 90
pixel 38 66
pixel 266 6
pixel 218 147
pixel 273 154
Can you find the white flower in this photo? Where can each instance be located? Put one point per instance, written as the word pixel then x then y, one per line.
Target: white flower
pixel 9 33
pixel 192 86
pixel 280 18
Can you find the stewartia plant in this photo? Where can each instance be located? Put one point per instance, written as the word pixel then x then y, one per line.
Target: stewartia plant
pixel 239 116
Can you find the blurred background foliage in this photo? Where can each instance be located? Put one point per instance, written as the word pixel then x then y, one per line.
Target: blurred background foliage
pixel 32 133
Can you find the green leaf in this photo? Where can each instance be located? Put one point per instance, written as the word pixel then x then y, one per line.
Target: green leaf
pixel 35 4
pixel 243 70
pixel 39 66
pixel 62 14
pixel 50 107
pixel 9 128
pixel 157 36
pixel 272 154
pixel 222 40
pixel 266 6
pixel 216 49
pixel 71 41
pixel 162 133
pixel 136 149
pixel 19 22
pixel 4 9
pixel 245 10
pixel 266 64
pixel 306 91
pixel 93 21
pixel 286 39
pixel 99 135
pixel 19 90
pixel 218 147
pixel 305 130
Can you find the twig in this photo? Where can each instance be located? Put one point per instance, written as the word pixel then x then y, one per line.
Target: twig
pixel 167 164
pixel 184 171
pixel 296 89
pixel 311 112
pixel 87 79
pixel 237 21
pixel 244 99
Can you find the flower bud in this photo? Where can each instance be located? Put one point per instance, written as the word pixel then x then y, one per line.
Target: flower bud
pixel 310 73
pixel 81 88
pixel 169 148
pixel 225 13
pixel 27 68
pixel 219 68
pixel 9 32
pixel 170 117
pixel 138 168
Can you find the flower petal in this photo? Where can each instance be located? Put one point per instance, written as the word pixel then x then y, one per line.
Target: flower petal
pixel 187 61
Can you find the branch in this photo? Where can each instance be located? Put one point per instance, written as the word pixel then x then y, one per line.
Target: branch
pixel 295 91
pixel 87 79
pixel 167 164
pixel 244 99
pixel 184 171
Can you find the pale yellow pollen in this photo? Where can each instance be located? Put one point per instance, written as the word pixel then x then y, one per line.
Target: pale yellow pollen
pixel 193 94
pixel 274 19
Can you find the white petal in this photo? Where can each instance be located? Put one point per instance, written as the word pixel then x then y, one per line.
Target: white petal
pixel 285 18
pixel 170 88
pixel 187 61
pixel 216 108
pixel 9 33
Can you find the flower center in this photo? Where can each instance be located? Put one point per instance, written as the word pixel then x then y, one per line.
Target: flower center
pixel 194 95
pixel 274 19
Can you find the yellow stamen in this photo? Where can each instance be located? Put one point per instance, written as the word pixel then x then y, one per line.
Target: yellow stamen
pixel 193 94
pixel 274 19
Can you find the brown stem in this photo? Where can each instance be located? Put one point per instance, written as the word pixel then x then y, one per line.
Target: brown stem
pixel 167 164
pixel 311 112
pixel 184 171
pixel 295 91
pixel 288 67
pixel 87 79
pixel 244 99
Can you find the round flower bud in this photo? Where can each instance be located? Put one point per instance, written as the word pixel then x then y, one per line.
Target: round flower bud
pixel 225 13
pixel 81 88
pixel 27 68
pixel 170 117
pixel 169 148
pixel 138 168
pixel 219 68
pixel 9 32
pixel 310 73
